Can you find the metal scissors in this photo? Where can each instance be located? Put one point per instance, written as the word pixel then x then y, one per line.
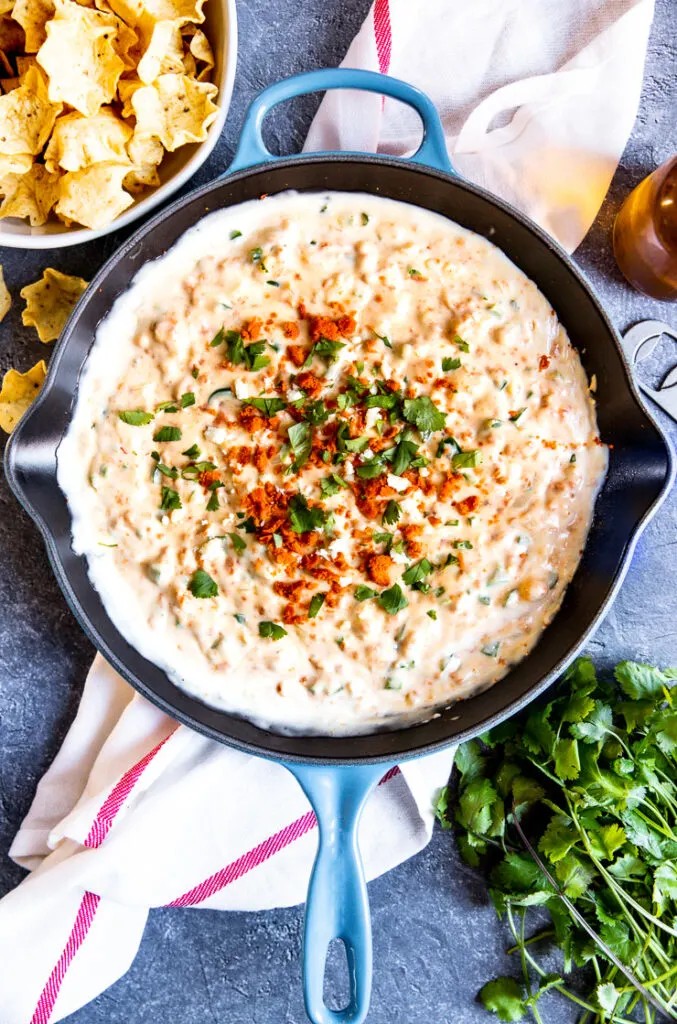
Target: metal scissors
pixel 638 343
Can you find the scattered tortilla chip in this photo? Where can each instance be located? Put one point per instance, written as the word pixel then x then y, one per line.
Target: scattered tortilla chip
pixel 80 58
pixel 32 195
pixel 27 115
pixel 23 63
pixel 93 196
pixel 10 83
pixel 144 149
pixel 126 89
pixel 6 64
pixel 176 109
pixel 18 392
pixel 11 35
pixel 17 163
pixel 33 15
pixel 6 6
pixel 49 302
pixel 164 54
pixel 79 141
pixel 5 297
pixel 182 11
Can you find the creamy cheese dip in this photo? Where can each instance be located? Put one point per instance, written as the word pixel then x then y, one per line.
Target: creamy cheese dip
pixel 333 462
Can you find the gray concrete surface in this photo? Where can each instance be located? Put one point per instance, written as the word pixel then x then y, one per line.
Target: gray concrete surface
pixel 436 936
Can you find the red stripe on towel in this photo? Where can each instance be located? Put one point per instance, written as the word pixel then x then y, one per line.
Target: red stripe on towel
pixel 83 922
pixel 383 34
pixel 253 858
pixel 117 796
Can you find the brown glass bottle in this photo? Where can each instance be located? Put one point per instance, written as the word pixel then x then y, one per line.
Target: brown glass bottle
pixel 645 234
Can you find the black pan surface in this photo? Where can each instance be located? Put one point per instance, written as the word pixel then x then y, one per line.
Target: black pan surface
pixel 640 473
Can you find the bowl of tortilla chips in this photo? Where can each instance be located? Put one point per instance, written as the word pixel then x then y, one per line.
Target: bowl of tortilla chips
pixel 107 107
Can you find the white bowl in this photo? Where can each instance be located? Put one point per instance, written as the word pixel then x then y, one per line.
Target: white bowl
pixel 176 168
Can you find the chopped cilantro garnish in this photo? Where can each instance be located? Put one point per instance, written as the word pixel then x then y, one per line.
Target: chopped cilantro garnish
pixel 239 618
pixel 269 406
pixel 202 585
pixel 332 485
pixel 192 452
pixel 271 631
pixel 573 458
pixel 364 218
pixel 391 513
pixel 233 235
pixel 467 460
pixel 135 417
pixel 460 343
pixel 302 518
pixel 465 544
pixel 328 349
pixel 167 470
pixel 274 284
pixel 388 401
pixel 195 373
pixel 515 417
pixel 371 469
pixel 424 414
pixel 415 573
pixel 450 364
pixel 413 272
pixel 491 650
pixel 316 603
pixel 218 337
pixel 384 338
pixel 403 454
pixel 166 407
pixel 451 441
pixel 316 413
pixel 170 499
pixel 363 593
pixel 213 503
pixel 393 600
pixel 432 614
pixel 236 540
pixel 256 256
pixel 300 439
pixel 167 434
pixel 195 468
pixel 187 399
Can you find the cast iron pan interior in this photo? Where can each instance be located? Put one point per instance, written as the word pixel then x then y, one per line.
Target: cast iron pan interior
pixel 640 470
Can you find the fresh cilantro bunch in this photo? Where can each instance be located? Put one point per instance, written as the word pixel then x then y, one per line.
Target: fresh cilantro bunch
pixel 571 808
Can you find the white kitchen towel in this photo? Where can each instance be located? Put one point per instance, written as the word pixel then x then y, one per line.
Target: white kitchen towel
pixel 537 97
pixel 139 812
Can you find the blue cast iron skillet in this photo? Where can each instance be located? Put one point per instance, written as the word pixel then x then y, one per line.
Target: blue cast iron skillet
pixel 337 775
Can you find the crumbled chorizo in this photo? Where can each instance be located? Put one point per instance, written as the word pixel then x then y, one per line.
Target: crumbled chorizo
pixel 309 383
pixel 290 329
pixel 251 419
pixel 411 533
pixel 544 362
pixel 378 569
pixel 467 505
pixel 297 353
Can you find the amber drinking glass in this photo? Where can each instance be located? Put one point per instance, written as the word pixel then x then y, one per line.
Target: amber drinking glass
pixel 645 234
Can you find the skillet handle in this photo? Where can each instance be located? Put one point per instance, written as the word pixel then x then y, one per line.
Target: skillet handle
pixel 337 906
pixel 252 150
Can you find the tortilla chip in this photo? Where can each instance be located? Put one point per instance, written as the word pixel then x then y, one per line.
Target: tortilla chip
pixel 164 54
pixel 30 195
pixel 202 52
pixel 176 109
pixel 80 57
pixel 10 83
pixel 140 177
pixel 6 65
pixel 144 149
pixel 11 35
pixel 79 141
pixel 49 302
pixel 33 15
pixel 93 196
pixel 126 89
pixel 23 63
pixel 27 115
pixel 18 163
pixel 18 392
pixel 182 11
pixel 5 297
pixel 6 6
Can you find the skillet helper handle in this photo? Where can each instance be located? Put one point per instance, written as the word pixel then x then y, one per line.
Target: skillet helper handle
pixel 337 906
pixel 252 150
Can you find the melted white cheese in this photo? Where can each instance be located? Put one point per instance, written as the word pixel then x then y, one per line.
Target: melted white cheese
pixel 519 397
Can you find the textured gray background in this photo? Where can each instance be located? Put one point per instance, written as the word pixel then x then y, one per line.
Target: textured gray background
pixel 436 938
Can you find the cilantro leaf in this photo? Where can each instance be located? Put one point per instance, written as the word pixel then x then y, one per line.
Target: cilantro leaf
pixel 503 996
pixel 202 585
pixel 167 434
pixel 269 406
pixel 450 364
pixel 403 454
pixel 332 485
pixel 424 414
pixel 238 543
pixel 639 681
pixel 392 513
pixel 271 630
pixel 188 398
pixel 363 593
pixel 415 573
pixel 301 441
pixel 302 518
pixel 169 499
pixel 393 600
pixel 316 603
pixel 467 460
pixel 135 417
